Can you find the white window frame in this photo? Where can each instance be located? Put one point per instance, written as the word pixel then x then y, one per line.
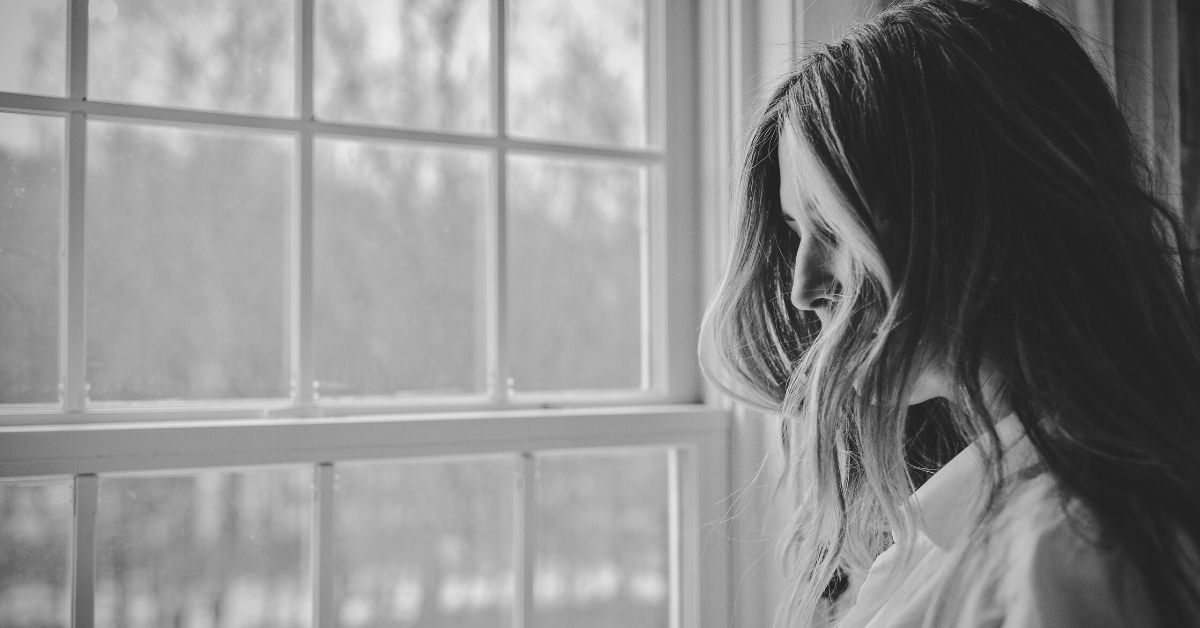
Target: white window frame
pixel 695 437
pixel 691 136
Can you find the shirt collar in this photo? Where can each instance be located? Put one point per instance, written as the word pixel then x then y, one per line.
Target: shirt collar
pixel 950 501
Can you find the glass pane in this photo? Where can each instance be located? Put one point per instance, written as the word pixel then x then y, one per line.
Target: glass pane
pixel 425 544
pixel 224 55
pixel 223 550
pixel 31 198
pixel 185 246
pixel 404 63
pixel 575 265
pixel 35 554
pixel 33 46
pixel 399 247
pixel 602 556
pixel 577 71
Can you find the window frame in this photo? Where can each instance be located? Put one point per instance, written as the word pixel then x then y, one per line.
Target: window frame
pixel 689 135
pixel 696 438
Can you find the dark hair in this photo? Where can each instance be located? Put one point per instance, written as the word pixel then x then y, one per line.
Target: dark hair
pixel 998 211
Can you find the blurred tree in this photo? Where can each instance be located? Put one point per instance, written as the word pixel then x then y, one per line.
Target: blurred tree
pixel 35 528
pixel 30 201
pixel 603 526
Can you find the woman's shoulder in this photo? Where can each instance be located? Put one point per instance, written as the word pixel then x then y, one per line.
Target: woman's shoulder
pixel 1055 567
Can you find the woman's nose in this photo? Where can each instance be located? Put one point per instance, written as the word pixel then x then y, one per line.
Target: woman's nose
pixel 812 276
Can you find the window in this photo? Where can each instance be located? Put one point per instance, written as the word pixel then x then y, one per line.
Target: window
pixel 342 313
pixel 287 203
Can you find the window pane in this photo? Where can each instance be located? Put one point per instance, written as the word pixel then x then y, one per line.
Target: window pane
pixel 575 264
pixel 577 70
pixel 225 550
pixel 224 55
pixel 185 246
pixel 399 247
pixel 33 46
pixel 35 553
pixel 404 63
pixel 602 556
pixel 425 544
pixel 31 197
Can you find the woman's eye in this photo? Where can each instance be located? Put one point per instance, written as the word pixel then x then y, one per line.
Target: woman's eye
pixel 828 236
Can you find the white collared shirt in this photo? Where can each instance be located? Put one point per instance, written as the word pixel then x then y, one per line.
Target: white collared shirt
pixel 1038 568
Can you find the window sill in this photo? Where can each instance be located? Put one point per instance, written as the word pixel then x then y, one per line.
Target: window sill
pixel 140 446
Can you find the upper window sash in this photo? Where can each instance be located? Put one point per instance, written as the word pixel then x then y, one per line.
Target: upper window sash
pixel 666 289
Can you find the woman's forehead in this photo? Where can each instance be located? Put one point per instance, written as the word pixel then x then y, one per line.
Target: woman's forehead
pixel 791 197
pixel 803 181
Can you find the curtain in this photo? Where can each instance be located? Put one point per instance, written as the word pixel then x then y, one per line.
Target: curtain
pixel 1189 112
pixel 1136 43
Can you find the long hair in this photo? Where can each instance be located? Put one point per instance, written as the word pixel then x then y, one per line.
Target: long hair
pixel 996 214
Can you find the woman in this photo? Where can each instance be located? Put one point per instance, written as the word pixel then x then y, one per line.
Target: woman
pixel 946 206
